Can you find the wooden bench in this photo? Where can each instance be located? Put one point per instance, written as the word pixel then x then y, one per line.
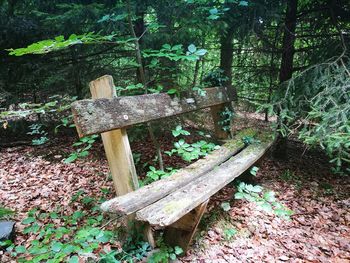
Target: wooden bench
pixel 177 202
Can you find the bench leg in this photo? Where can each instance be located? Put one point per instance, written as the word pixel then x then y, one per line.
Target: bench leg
pixel 182 231
pixel 148 233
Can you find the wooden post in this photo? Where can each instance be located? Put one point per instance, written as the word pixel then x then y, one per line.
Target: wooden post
pixel 118 152
pixel 182 231
pixel 116 143
pixel 215 113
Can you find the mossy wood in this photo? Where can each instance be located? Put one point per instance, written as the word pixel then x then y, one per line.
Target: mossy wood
pixel 182 231
pixel 171 208
pixel 151 193
pixel 100 115
pixel 116 144
pixel 179 201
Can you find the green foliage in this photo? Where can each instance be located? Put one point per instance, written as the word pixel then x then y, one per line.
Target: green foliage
pixel 77 233
pixel 26 109
pixel 65 122
pixel 63 237
pixel 36 129
pixel 59 42
pixel 175 53
pixel 254 170
pixel 264 200
pixel 154 175
pixel 317 104
pixel 190 152
pixel 179 131
pixel 85 145
pixel 200 91
pixel 229 233
pixel 225 206
pixel 5 212
pixel 165 253
pixel 216 78
pixel 193 151
pixel 226 119
pixel 247 140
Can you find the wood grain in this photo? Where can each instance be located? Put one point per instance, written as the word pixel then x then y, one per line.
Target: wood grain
pixel 171 208
pixel 101 115
pixel 134 201
pixel 182 231
pixel 116 144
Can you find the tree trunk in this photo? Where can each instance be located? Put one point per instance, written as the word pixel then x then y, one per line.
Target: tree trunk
pixel 143 81
pixel 226 57
pixel 286 69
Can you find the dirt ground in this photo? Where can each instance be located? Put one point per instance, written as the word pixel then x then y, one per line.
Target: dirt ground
pixel 318 231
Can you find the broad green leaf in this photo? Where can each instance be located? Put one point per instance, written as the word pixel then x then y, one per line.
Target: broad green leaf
pixel 73 259
pixel 225 206
pixel 192 48
pixel 28 220
pixel 178 250
pixel 172 91
pixel 20 249
pixel 56 246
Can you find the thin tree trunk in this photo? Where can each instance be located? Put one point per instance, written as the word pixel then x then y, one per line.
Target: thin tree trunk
pixel 143 81
pixel 226 58
pixel 286 69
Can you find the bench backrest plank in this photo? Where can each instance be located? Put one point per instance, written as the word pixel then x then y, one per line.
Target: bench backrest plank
pixel 93 116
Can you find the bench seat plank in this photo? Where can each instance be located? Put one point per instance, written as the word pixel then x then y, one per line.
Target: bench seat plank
pixel 101 115
pixel 144 196
pixel 172 207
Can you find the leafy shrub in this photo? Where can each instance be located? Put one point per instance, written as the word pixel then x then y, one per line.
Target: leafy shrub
pixel 85 145
pixel 154 175
pixel 5 212
pixel 194 151
pixel 265 200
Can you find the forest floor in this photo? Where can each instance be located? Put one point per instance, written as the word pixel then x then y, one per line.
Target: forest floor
pixel 318 231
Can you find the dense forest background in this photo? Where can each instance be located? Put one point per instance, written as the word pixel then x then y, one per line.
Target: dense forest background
pixel 284 64
pixel 284 57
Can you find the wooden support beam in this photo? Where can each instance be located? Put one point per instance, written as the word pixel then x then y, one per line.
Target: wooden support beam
pixel 182 231
pixel 118 153
pixel 116 143
pixel 177 204
pixel 101 115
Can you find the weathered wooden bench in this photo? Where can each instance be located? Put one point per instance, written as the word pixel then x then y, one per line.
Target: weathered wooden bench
pixel 177 202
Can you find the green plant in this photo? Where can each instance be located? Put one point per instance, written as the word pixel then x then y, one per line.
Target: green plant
pixel 316 104
pixel 179 131
pixel 226 117
pixel 36 129
pixel 216 78
pixel 65 122
pixel 327 188
pixel 85 145
pixel 200 91
pixel 225 206
pixel 288 175
pixel 65 237
pixel 264 200
pixel 253 171
pixel 164 253
pixel 76 234
pixel 175 53
pixel 189 152
pixel 229 233
pixel 154 175
pixel 5 212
